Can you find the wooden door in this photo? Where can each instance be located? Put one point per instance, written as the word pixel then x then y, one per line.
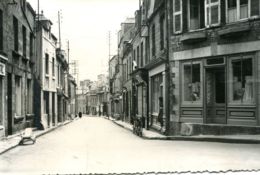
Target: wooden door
pixel 215 95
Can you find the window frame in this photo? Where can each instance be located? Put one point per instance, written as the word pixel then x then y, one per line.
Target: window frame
pixel 238 12
pixel 200 18
pixel 24 33
pixel 191 62
pixel 159 86
pixel 16 33
pixel 153 40
pixel 53 68
pixel 162 31
pixel 231 102
pixel 46 59
pixel 1 30
pixel 181 17
pixel 18 96
pixel 209 5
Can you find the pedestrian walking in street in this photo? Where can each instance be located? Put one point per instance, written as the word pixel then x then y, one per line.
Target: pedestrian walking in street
pixel 80 114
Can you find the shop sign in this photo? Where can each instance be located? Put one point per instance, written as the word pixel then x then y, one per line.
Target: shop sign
pixel 2 69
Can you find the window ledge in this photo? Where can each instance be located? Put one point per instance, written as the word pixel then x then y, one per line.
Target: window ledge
pixel 3 56
pixel 233 30
pixel 29 116
pixel 193 37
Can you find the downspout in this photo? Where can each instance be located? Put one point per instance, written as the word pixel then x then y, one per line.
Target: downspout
pixel 167 69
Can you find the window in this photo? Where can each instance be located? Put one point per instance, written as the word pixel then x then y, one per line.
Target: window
pixel 24 41
pixel 157 91
pixel 31 45
pixel 139 100
pixel 138 57
pixel 255 7
pixel 192 82
pixel 18 96
pixel 196 14
pixel 53 67
pixel 16 39
pixel 1 99
pixel 153 41
pixel 177 16
pixel 142 54
pixel 212 16
pixel 47 64
pixel 237 10
pixel 1 30
pixel 242 80
pixel 59 83
pixel 29 97
pixel 162 32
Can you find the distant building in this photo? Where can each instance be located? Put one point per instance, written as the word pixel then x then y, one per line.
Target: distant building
pixel 73 101
pixel 126 36
pixel 46 85
pixel 82 103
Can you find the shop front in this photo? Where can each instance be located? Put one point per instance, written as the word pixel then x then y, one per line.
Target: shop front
pixel 157 89
pixel 140 95
pixel 220 90
pixel 2 96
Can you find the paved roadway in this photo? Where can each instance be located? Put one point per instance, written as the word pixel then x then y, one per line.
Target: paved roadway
pixel 97 145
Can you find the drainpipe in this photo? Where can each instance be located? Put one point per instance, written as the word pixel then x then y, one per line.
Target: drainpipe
pixel 167 69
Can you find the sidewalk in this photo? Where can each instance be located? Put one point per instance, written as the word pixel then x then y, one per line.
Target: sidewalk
pixel 151 135
pixel 13 141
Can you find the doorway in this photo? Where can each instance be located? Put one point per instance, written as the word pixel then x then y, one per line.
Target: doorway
pixel 215 95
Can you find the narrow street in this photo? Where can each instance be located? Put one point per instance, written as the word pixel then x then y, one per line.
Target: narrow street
pixel 97 145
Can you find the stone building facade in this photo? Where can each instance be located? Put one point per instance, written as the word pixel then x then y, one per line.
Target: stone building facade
pixel 215 65
pixel 46 84
pixel 125 55
pixel 17 59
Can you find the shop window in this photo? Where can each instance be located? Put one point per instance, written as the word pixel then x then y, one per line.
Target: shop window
pixel 196 14
pixel 212 14
pixel 192 82
pixel 157 89
pixel 29 97
pixel 139 100
pixel 237 10
pixel 177 16
pixel 242 82
pixel 18 96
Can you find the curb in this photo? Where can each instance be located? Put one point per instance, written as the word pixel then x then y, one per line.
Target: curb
pixel 37 136
pixel 122 126
pixel 197 138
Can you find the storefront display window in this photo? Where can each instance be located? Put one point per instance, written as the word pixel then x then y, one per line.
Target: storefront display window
pixel 192 82
pixel 157 89
pixel 242 82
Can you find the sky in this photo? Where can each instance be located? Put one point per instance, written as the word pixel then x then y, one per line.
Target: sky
pixel 86 24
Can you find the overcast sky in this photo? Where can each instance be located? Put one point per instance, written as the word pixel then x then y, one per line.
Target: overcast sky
pixel 86 24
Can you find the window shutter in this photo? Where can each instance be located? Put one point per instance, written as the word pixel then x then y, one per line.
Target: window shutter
pixel 255 7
